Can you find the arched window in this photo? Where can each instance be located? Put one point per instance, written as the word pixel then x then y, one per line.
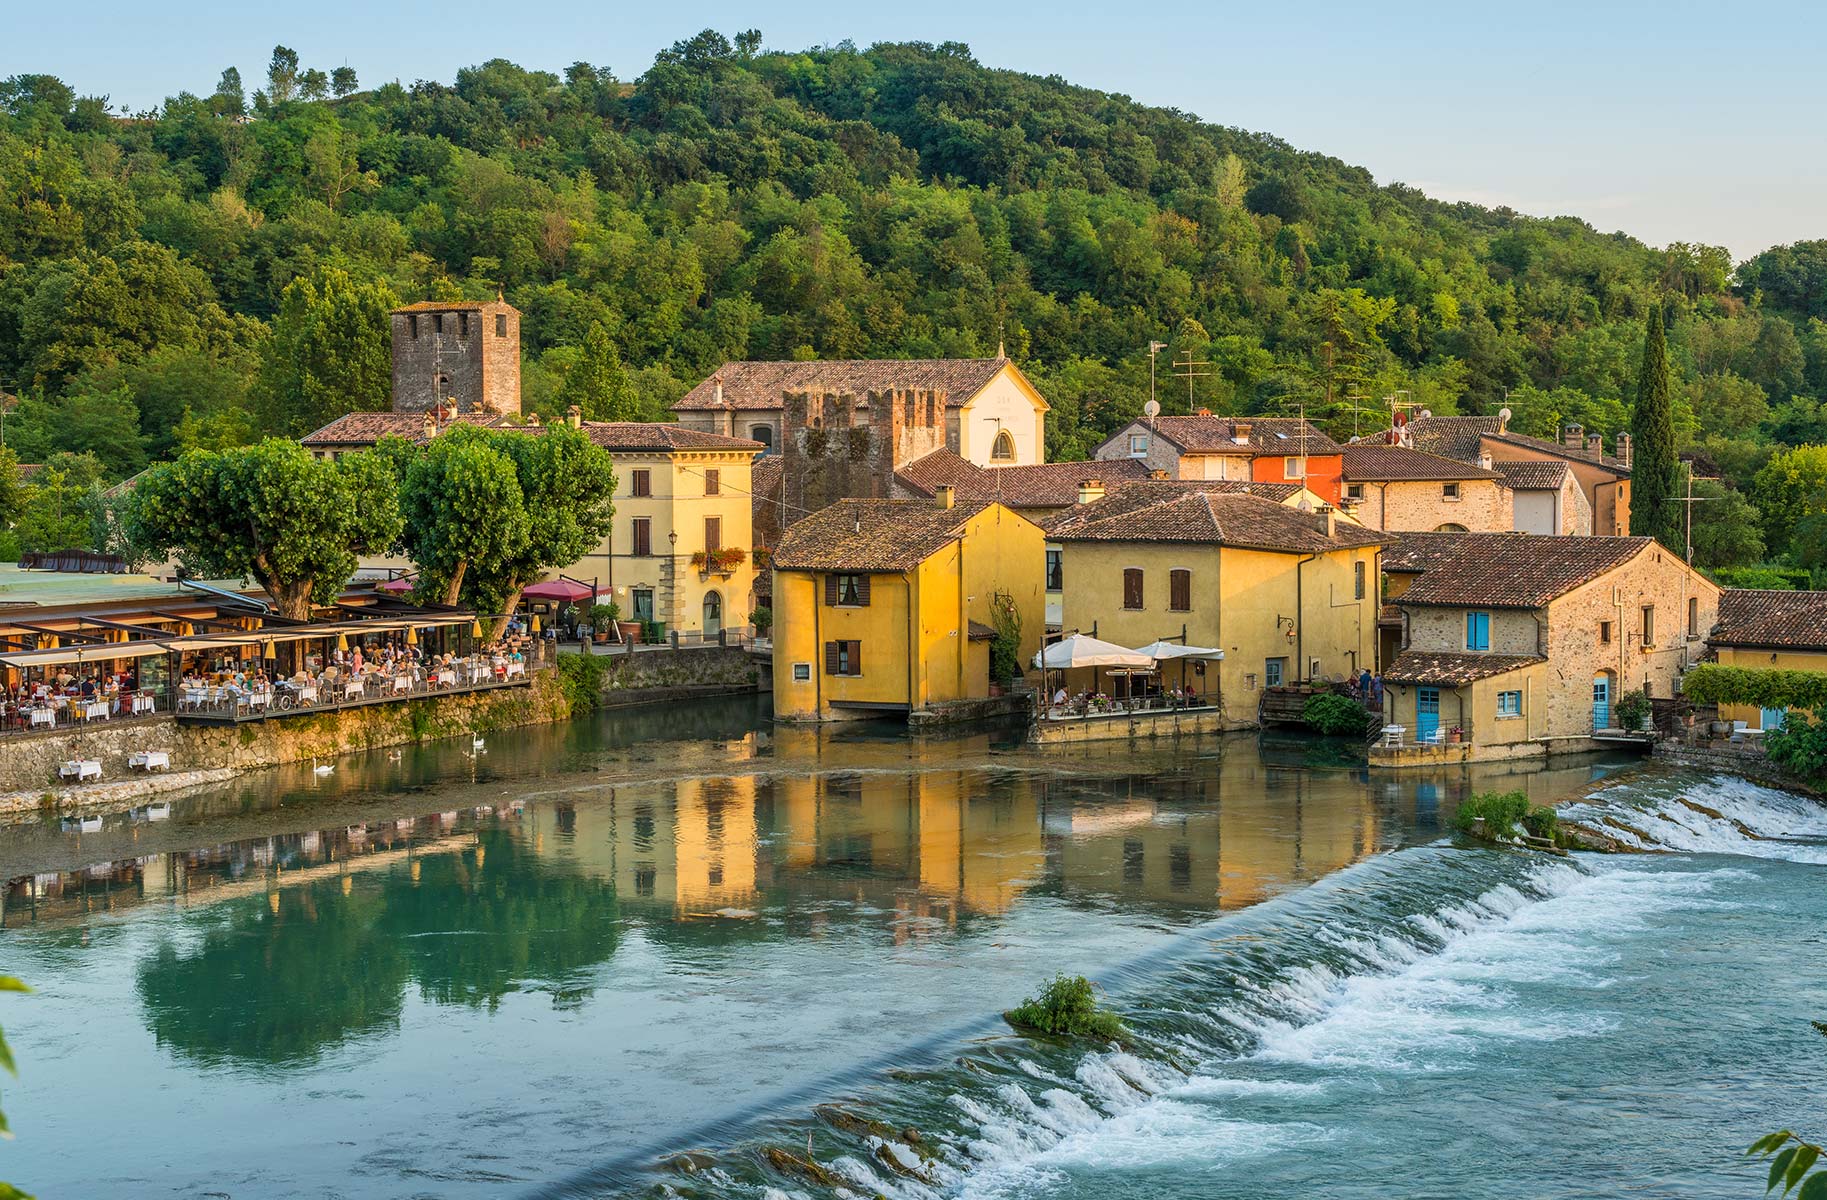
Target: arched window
pixel 1449 527
pixel 763 434
pixel 713 614
pixel 1003 448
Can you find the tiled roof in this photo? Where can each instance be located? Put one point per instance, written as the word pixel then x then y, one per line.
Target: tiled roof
pixel 1218 435
pixel 764 477
pixel 1452 670
pixel 1511 437
pixel 1778 620
pixel 367 428
pixel 660 435
pixel 1451 437
pixel 1044 485
pixel 1418 551
pixel 1173 511
pixel 979 632
pixel 1371 462
pixel 872 535
pixel 1511 570
pixel 759 385
pixel 1533 476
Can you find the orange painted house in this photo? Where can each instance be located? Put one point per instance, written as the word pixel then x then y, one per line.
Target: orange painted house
pixel 1262 449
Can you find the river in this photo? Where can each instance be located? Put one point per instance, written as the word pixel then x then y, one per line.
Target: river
pixel 633 954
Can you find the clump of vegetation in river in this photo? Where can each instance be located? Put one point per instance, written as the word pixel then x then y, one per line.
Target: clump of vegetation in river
pixel 582 678
pixel 9 984
pixel 1506 815
pixel 1334 715
pixel 1791 1158
pixel 1067 1006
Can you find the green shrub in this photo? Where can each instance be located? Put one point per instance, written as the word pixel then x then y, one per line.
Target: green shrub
pixel 1764 579
pixel 1542 822
pixel 762 618
pixel 581 677
pixel 1711 683
pixel 1067 1006
pixel 1799 747
pixel 1631 710
pixel 1334 715
pixel 1005 647
pixel 1501 811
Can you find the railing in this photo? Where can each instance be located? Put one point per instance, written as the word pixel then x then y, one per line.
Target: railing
pixel 74 712
pixel 1396 737
pixel 1081 709
pixel 229 704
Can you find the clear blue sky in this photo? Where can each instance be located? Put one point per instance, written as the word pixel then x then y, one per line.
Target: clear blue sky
pixel 1673 121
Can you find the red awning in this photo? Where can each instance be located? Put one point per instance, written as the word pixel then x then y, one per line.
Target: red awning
pixel 395 585
pixel 558 589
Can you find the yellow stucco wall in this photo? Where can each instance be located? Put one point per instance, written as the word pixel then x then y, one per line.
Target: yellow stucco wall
pixel 1473 708
pixel 1006 402
pixel 678 504
pixel 1764 660
pixel 914 632
pixel 1244 602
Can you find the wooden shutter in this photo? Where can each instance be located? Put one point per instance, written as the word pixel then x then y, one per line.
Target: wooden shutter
pixel 713 482
pixel 642 484
pixel 830 591
pixel 1132 587
pixel 856 658
pixel 643 536
pixel 862 590
pixel 830 658
pixel 1180 590
pixel 713 534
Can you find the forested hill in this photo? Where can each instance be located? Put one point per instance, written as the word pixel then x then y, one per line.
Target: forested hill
pixel 216 269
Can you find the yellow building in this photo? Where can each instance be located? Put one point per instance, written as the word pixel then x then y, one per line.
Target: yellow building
pixel 680 548
pixel 1769 631
pixel 1521 645
pixel 888 606
pixel 1286 595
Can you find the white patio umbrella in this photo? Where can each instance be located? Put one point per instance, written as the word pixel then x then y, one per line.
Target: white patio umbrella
pixel 1082 651
pixel 1165 650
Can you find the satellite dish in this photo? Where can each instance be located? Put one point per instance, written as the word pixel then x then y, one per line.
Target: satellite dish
pixel 1151 409
pixel 1504 415
pixel 1427 412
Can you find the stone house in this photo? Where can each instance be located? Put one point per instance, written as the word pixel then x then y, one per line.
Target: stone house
pixel 464 354
pixel 1769 631
pixel 1603 479
pixel 1263 449
pixel 1285 595
pixel 1393 488
pixel 1524 644
pixel 1546 497
pixel 889 606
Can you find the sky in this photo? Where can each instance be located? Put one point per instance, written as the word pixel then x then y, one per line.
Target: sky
pixel 1671 121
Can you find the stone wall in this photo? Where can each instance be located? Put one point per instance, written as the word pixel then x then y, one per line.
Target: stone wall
pixel 678 674
pixel 1483 506
pixel 461 343
pixel 31 760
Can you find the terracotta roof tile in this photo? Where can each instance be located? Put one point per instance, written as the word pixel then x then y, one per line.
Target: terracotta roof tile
pixel 759 385
pixel 660 435
pixel 1176 511
pixel 1776 620
pixel 872 535
pixel 1265 435
pixel 1451 437
pixel 1504 570
pixel 1533 476
pixel 1046 485
pixel 1452 670
pixel 1375 463
pixel 367 428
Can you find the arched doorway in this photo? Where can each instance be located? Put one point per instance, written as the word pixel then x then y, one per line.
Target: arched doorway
pixel 713 614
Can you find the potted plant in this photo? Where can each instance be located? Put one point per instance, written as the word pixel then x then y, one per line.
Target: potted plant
pixel 1455 735
pixel 1633 712
pixel 762 619
pixel 602 620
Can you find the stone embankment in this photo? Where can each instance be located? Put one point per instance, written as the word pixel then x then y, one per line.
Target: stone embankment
pixel 111 795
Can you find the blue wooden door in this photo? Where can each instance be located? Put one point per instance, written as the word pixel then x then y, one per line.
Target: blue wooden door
pixel 1601 702
pixel 1771 718
pixel 1427 714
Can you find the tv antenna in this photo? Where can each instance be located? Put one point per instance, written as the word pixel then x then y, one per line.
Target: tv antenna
pixel 1154 348
pixel 1191 369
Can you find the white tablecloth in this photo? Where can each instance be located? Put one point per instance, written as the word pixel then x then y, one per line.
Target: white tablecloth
pixel 516 668
pixel 150 760
pixel 352 688
pixel 94 710
pixel 143 704
pixel 87 768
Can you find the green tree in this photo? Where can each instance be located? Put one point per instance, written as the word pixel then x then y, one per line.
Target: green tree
pixel 293 523
pixel 1726 528
pixel 1654 482
pixel 12 490
pixel 463 509
pixel 342 81
pixel 282 75
pixel 596 382
pixel 1790 487
pixel 56 512
pixel 329 352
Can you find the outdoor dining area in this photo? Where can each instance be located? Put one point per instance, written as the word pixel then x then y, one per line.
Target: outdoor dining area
pixel 1084 678
pixel 61 688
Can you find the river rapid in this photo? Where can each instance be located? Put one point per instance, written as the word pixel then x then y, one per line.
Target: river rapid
pixel 678 952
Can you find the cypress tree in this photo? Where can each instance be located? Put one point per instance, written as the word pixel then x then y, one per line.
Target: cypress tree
pixel 1655 504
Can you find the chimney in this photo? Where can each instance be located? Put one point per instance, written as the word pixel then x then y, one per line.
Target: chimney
pixel 1240 432
pixel 717 389
pixel 1090 490
pixel 945 495
pixel 1572 435
pixel 1332 522
pixel 533 420
pixel 1158 473
pixel 1624 449
pixel 1595 445
pixel 1205 412
pixel 431 425
pixel 574 417
pixel 1484 459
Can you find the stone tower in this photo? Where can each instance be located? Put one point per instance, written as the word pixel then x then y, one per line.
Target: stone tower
pixel 467 353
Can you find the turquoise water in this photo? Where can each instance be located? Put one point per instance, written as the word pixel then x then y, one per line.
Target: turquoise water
pixel 629 957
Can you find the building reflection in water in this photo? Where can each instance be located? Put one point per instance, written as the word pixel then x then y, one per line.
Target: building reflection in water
pixel 293 944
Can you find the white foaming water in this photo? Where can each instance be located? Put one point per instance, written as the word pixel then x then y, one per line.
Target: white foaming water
pixel 1781 825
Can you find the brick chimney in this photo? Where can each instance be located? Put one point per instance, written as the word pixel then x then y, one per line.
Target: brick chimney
pixel 1573 434
pixel 1624 449
pixel 1332 521
pixel 944 495
pixel 1595 445
pixel 1090 490
pixel 574 417
pixel 1205 412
